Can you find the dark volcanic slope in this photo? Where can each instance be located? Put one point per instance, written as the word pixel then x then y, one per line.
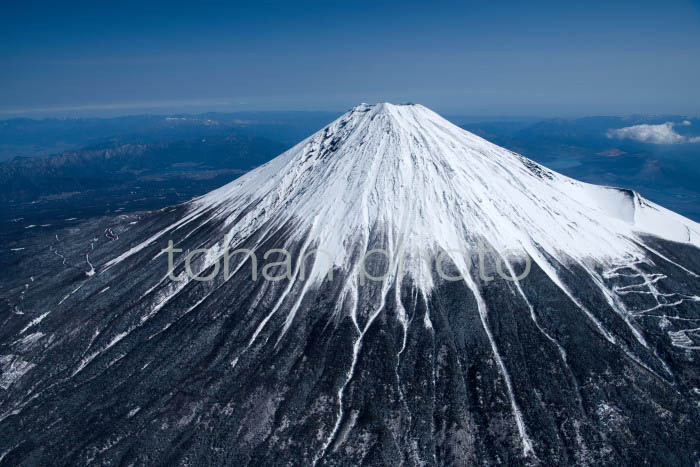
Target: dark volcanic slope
pixel 102 386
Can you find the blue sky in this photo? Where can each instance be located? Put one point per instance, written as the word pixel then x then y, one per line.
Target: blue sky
pixel 510 58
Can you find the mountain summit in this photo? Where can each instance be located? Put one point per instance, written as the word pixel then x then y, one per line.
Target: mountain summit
pixel 428 298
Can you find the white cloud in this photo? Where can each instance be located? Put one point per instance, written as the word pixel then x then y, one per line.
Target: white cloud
pixel 654 134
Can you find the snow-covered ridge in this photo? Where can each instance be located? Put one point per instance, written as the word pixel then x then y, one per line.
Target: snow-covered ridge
pixel 430 184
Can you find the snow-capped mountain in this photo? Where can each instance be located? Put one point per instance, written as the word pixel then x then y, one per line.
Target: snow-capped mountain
pixel 395 334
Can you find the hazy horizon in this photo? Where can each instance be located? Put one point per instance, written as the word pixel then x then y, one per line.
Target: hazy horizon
pixel 547 59
pixel 123 111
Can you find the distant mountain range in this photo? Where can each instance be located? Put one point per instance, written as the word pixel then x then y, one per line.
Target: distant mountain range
pixel 24 137
pixel 106 165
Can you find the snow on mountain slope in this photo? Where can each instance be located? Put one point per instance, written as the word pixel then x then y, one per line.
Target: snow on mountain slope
pixel 432 185
pixel 431 190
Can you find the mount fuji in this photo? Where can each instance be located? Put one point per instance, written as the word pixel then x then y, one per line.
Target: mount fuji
pixel 430 299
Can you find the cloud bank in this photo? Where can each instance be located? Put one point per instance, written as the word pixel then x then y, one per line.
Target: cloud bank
pixel 654 134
